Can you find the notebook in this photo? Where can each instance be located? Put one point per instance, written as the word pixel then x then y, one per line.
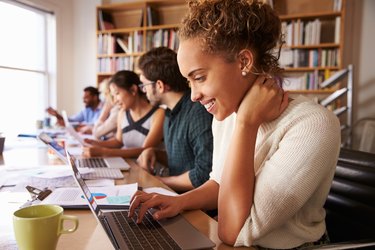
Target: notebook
pixel 125 233
pixel 109 197
pixel 109 167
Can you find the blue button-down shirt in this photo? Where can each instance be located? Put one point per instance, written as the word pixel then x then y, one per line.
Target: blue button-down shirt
pixel 188 140
pixel 87 115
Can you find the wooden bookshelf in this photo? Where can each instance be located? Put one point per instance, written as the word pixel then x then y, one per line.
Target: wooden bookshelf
pixel 140 26
pixel 314 35
pixel 131 24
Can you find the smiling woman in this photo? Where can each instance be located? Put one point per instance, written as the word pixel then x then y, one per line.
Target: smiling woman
pixel 273 157
pixel 24 67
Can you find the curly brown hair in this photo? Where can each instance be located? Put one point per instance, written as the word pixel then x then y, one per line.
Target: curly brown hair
pixel 227 26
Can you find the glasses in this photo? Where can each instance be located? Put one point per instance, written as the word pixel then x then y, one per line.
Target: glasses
pixel 143 85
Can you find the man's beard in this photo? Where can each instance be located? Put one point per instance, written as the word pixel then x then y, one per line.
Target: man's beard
pixel 154 100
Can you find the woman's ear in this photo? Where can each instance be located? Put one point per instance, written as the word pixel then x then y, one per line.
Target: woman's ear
pixel 134 89
pixel 246 61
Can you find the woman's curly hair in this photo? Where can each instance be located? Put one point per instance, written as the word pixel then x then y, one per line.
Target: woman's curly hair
pixel 228 26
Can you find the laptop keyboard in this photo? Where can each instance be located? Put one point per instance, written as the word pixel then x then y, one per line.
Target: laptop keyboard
pixel 100 167
pixel 106 173
pixel 147 235
pixel 92 163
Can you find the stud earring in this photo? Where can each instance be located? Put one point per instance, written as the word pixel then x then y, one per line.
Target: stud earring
pixel 243 73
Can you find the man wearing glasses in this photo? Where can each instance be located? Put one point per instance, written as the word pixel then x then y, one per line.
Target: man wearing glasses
pixel 187 125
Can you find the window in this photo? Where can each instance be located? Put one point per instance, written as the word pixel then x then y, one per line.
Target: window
pixel 26 66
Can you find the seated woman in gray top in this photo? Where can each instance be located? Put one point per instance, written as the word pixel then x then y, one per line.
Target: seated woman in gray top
pixel 139 124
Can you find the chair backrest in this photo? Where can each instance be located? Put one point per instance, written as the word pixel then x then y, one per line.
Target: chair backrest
pixel 350 204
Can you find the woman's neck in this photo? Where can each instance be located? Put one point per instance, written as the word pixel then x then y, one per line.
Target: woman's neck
pixel 140 109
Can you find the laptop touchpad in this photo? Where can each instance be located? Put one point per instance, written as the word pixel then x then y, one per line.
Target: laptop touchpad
pixel 117 162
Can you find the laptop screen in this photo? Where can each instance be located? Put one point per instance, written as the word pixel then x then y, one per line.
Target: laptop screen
pixel 54 145
pixel 82 184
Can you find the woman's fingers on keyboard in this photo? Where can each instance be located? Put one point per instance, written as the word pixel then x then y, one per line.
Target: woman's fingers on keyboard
pixel 148 201
pixel 136 194
pixel 138 198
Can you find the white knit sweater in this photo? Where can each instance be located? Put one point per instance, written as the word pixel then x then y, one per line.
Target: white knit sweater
pixel 295 160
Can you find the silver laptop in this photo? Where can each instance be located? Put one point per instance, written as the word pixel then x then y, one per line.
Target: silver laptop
pixel 125 233
pixel 71 130
pixel 54 146
pixel 105 167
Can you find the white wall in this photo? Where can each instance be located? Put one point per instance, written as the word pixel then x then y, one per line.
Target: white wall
pixel 360 51
pixel 84 48
pixel 366 66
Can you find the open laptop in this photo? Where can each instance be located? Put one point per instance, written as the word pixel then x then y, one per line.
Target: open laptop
pixel 125 233
pixel 71 130
pixel 105 167
pixel 54 146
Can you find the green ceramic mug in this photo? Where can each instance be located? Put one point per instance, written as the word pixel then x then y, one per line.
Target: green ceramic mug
pixel 39 227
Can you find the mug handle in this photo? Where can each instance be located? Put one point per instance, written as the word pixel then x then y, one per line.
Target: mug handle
pixel 70 230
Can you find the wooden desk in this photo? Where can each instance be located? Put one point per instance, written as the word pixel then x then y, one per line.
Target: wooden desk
pixel 90 234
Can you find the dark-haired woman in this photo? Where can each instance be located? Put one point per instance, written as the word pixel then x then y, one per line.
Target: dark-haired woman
pixel 139 125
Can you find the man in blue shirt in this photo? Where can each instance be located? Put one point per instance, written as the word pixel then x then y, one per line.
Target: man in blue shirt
pixel 87 117
pixel 187 125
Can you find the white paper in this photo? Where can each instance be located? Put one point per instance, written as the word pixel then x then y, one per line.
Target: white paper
pixel 60 171
pixel 159 190
pixel 75 150
pixel 100 183
pixel 103 195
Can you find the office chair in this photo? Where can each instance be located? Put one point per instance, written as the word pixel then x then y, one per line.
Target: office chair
pixel 350 204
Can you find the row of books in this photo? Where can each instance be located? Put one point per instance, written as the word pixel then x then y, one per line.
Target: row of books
pixel 110 65
pixel 162 37
pixel 309 58
pixel 110 44
pixel 298 32
pixel 132 42
pixel 337 4
pixel 305 81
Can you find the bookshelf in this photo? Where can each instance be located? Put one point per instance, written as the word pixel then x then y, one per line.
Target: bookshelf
pixel 313 55
pixel 314 43
pixel 127 30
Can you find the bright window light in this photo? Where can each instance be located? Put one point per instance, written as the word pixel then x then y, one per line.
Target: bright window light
pixel 25 66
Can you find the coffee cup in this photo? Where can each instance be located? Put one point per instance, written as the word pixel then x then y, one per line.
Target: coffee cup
pixel 40 226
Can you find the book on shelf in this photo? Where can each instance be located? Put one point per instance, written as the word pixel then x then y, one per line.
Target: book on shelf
pixel 301 33
pixel 309 58
pixel 337 29
pixel 303 81
pixel 152 16
pixel 306 80
pixel 337 5
pixel 327 31
pixel 106 44
pixel 105 21
pixel 123 45
pixel 111 65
